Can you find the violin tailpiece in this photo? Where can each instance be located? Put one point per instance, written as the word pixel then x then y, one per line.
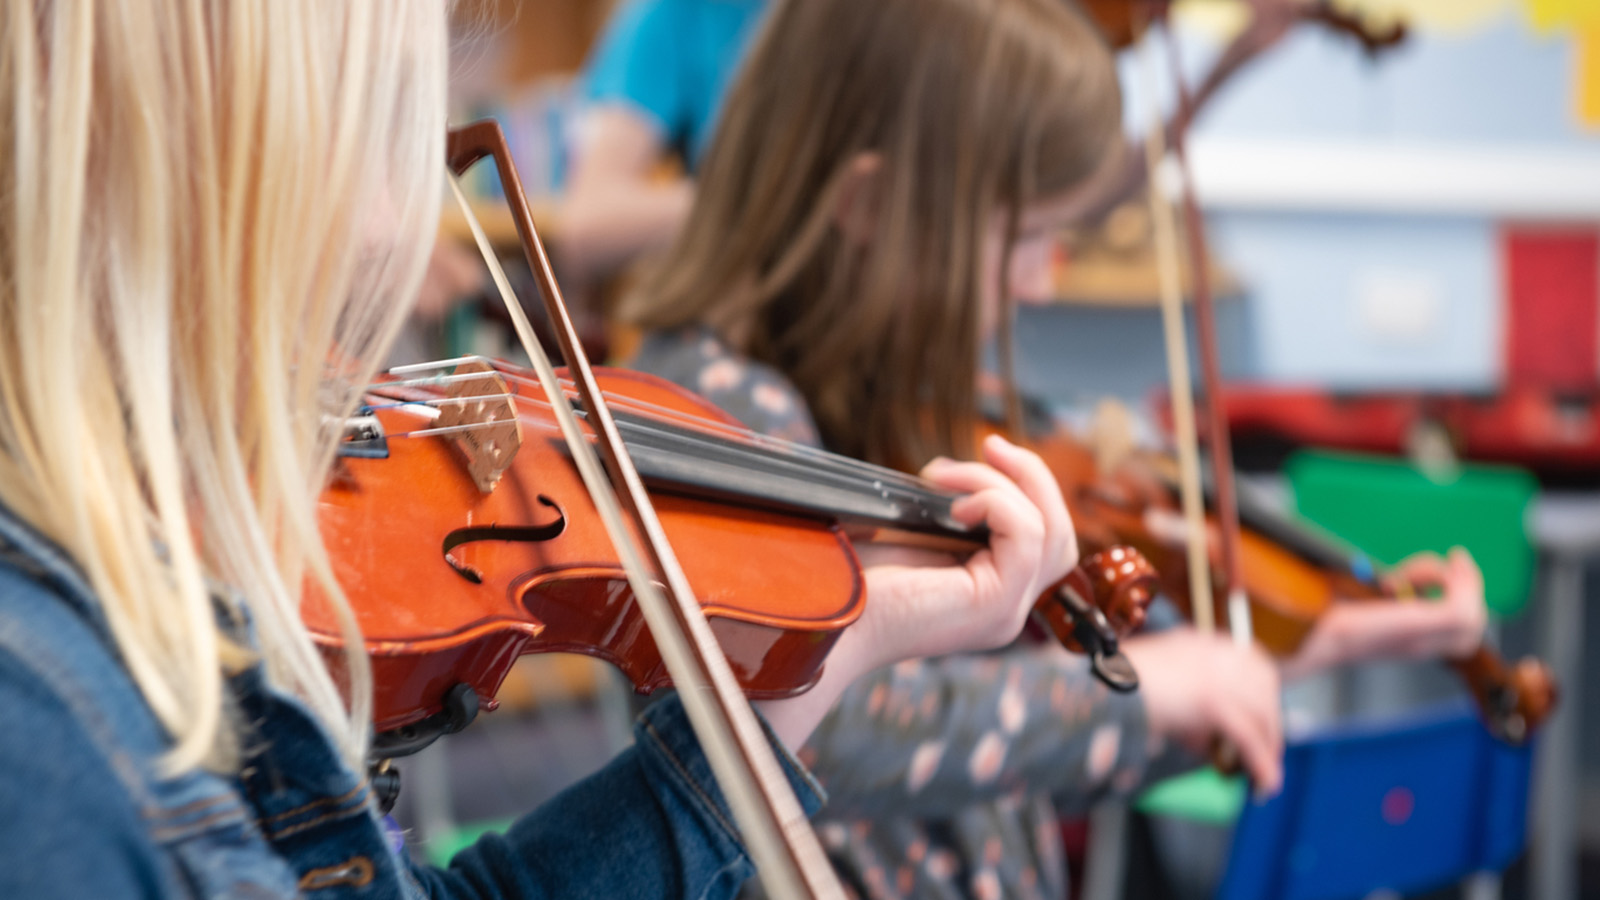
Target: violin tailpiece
pixel 487 414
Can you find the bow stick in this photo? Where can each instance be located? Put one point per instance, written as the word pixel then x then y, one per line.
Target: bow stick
pixel 1210 367
pixel 1270 21
pixel 1168 276
pixel 774 827
pixel 1125 22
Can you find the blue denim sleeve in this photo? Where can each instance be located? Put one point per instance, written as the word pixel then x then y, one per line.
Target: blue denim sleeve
pixel 652 823
pixel 636 62
pixel 68 829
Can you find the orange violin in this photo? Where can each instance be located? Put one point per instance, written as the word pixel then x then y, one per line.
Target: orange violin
pixel 1291 574
pixel 465 533
pixel 459 530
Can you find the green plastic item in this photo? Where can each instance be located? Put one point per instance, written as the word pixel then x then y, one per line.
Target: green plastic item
pixel 1204 795
pixel 440 850
pixel 1389 510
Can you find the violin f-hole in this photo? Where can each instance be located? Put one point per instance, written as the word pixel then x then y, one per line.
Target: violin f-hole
pixel 525 534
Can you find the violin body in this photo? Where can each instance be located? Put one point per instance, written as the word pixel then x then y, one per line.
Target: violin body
pixel 777 589
pixel 1287 593
pixel 463 537
pixel 1291 577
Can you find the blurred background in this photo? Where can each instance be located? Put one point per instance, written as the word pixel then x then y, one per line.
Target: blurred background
pixel 1405 250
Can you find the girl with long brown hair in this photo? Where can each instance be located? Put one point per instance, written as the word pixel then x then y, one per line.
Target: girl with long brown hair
pixel 886 178
pixel 866 167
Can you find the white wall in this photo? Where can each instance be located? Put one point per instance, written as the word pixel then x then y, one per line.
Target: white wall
pixel 1366 265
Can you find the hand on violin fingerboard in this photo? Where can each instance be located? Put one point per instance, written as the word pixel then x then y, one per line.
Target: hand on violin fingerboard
pixel 940 604
pixel 922 603
pixel 1442 614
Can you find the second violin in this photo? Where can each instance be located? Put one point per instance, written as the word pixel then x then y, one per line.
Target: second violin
pixel 1292 574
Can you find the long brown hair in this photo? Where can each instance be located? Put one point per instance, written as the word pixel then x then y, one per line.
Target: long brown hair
pixel 975 108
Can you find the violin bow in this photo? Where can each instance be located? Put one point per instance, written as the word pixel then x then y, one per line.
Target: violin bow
pixel 1168 277
pixel 1270 20
pixel 785 850
pixel 1210 368
pixel 1185 432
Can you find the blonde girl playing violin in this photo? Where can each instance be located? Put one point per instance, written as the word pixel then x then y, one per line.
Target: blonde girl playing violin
pixel 212 220
pixel 886 178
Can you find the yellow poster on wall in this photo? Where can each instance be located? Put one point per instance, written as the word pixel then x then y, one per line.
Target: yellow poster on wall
pixel 1577 20
pixel 1589 76
pixel 1581 19
pixel 1550 14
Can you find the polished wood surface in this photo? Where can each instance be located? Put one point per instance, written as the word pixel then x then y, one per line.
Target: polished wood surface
pixel 459 556
pixel 427 626
pixel 1287 591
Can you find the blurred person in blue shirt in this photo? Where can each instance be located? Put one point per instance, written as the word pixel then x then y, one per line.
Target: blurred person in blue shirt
pixel 652 89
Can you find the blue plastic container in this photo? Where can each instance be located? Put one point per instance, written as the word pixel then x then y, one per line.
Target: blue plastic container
pixel 1410 808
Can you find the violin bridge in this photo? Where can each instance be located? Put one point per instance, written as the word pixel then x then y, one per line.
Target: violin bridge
pixel 487 415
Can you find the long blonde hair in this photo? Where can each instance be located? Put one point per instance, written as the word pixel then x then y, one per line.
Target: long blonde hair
pixel 206 210
pixel 975 108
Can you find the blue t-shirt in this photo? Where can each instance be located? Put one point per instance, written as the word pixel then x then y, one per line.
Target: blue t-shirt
pixel 673 61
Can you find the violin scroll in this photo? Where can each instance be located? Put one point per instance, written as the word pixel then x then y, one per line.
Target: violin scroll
pixel 1123 584
pixel 1096 605
pixel 1536 695
pixel 1374 39
pixel 1514 700
pixel 1123 22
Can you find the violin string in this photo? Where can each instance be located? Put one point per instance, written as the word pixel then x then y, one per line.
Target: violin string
pixel 663 416
pixel 435 402
pixel 853 478
pixel 782 448
pixel 632 404
pixel 821 470
pixel 918 495
pixel 843 465
pixel 428 380
pixel 743 435
pixel 451 429
pixel 432 364
pixel 647 408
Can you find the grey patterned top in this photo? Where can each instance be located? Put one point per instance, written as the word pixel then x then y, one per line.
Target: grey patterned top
pixel 944 776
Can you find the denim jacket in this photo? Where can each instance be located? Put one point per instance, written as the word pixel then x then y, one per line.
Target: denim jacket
pixel 85 810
